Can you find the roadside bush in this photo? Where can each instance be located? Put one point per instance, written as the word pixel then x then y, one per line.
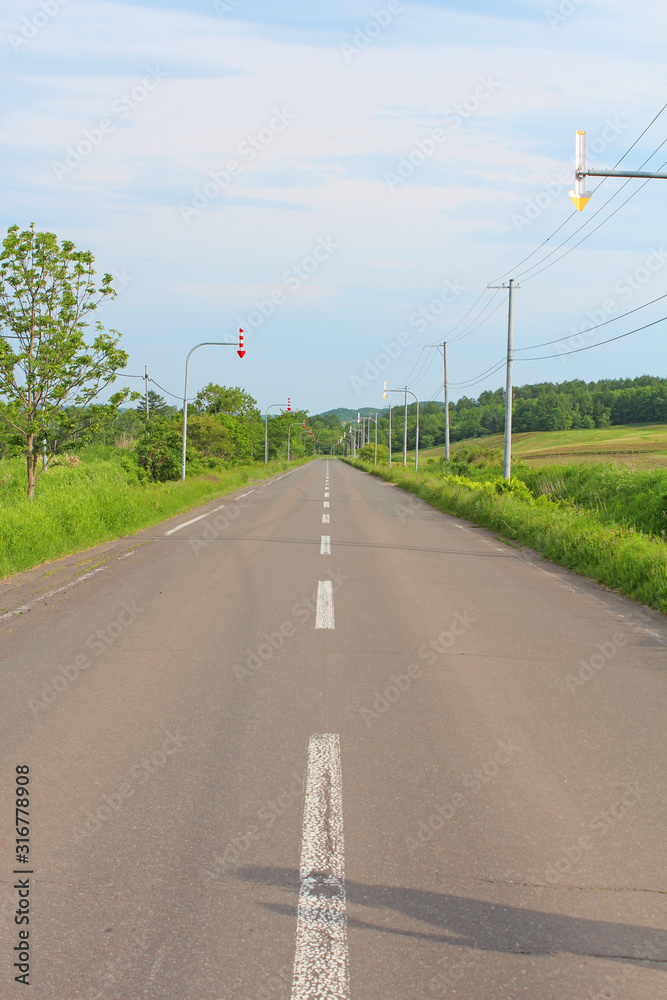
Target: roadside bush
pixel 159 451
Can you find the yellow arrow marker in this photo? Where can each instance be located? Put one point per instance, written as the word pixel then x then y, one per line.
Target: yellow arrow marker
pixel 580 200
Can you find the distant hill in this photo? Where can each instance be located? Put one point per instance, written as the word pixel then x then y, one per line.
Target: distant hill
pixel 345 415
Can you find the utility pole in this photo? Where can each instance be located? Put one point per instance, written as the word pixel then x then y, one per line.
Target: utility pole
pixel 507 454
pixel 146 378
pixel 444 354
pixel 405 431
pixel 389 433
pixel 446 384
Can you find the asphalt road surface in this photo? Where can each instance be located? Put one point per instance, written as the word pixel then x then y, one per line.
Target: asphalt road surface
pixel 320 740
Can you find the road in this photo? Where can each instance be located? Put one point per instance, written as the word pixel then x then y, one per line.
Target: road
pixel 320 740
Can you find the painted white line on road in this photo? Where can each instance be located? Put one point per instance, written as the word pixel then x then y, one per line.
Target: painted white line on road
pixel 325 545
pixel 324 614
pixel 326 503
pixel 193 521
pixel 207 514
pixel 52 593
pixel 325 518
pixel 326 494
pixel 321 966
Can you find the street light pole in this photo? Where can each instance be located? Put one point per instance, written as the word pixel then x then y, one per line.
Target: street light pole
pixel 205 343
pixel 405 428
pixel 266 429
pixel 289 431
pixel 390 435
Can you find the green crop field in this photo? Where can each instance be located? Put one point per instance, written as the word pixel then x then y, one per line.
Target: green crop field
pixel 641 446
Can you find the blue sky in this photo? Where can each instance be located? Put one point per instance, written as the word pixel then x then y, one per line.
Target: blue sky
pixel 343 180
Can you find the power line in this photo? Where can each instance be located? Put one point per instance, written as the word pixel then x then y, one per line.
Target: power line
pixel 575 245
pixel 589 347
pixel 448 335
pixel 163 389
pixel 574 213
pixel 597 326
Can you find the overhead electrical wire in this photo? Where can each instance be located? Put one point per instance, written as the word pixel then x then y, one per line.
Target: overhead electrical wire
pixel 163 389
pixel 574 213
pixel 600 343
pixel 526 276
pixel 560 340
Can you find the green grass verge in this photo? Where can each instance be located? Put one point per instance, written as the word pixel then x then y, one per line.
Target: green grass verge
pixel 615 556
pixel 78 507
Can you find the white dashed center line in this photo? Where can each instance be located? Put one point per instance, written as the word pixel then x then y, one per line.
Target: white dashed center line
pixel 321 966
pixel 324 614
pixel 325 545
pixel 326 503
pixel 325 518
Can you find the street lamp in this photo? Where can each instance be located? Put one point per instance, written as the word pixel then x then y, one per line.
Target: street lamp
pixel 289 431
pixel 405 390
pixel 375 421
pixel 206 343
pixel 266 429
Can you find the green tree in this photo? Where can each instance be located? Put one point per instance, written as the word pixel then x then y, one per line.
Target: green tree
pixel 232 400
pixel 159 450
pixel 47 291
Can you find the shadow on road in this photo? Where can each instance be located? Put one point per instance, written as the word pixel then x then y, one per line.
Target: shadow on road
pixel 471 923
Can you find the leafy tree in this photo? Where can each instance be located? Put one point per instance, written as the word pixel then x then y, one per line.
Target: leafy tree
pixel 232 400
pixel 47 291
pixel 159 450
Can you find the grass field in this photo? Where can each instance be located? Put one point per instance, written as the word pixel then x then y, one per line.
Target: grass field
pixel 640 446
pixel 595 537
pixel 79 506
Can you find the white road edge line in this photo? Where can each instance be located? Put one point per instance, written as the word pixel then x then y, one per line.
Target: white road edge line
pixel 207 514
pixel 321 964
pixel 325 545
pixel 324 614
pixel 52 593
pixel 186 523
